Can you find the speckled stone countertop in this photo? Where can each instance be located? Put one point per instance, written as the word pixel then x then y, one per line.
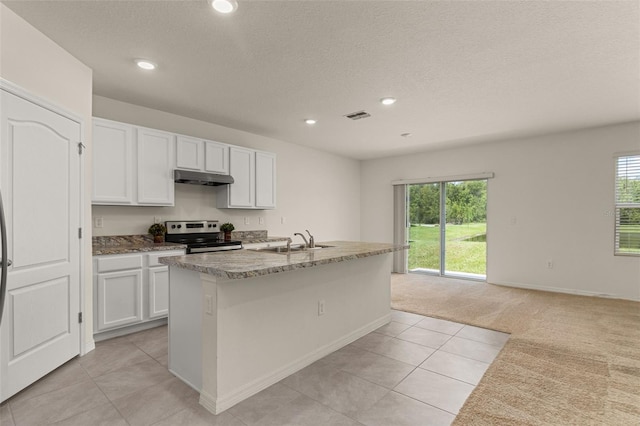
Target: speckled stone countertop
pixel 263 240
pixel 120 244
pixel 252 237
pixel 239 264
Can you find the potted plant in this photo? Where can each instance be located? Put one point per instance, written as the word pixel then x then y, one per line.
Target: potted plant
pixel 157 230
pixel 227 228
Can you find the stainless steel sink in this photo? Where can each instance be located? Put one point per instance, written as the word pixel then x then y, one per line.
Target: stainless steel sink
pixel 294 249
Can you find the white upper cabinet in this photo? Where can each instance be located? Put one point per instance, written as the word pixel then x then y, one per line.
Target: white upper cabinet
pixel 242 192
pixel 155 167
pixel 189 153
pixel 112 162
pixel 202 155
pixel 254 184
pixel 216 157
pixel 265 180
pixel 132 165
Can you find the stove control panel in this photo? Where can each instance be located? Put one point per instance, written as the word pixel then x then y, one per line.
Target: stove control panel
pixel 192 226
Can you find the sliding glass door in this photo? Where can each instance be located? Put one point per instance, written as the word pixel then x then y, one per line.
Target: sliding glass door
pixel 424 228
pixel 448 228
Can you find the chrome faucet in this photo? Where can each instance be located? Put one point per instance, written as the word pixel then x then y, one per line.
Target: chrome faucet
pixel 312 243
pixel 306 243
pixel 289 241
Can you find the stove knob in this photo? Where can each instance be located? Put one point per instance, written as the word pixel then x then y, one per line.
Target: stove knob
pixel 210 225
pixel 179 226
pixel 173 227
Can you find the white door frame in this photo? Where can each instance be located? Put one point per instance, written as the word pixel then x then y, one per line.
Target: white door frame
pixel 28 96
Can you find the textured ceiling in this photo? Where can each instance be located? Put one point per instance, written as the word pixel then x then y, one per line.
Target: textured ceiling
pixel 463 72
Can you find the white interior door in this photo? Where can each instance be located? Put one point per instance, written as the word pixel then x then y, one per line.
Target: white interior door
pixel 40 182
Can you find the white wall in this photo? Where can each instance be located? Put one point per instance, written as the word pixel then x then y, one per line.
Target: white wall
pixel 32 61
pixel 560 190
pixel 315 190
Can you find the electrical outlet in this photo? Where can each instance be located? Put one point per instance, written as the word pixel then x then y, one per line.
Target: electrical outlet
pixel 246 220
pixel 261 220
pixel 550 264
pixel 283 220
pixel 209 301
pixel 320 307
pixel 157 219
pixel 98 222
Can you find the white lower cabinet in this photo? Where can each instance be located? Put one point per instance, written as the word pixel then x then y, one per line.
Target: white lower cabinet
pixel 130 289
pixel 158 279
pixel 158 291
pixel 120 299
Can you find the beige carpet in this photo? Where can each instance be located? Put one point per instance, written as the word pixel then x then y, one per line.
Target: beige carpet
pixel 570 359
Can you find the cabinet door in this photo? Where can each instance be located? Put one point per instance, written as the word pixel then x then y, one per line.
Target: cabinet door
pixel 158 291
pixel 112 162
pixel 216 157
pixel 242 168
pixel 265 180
pixel 155 167
pixel 119 298
pixel 189 153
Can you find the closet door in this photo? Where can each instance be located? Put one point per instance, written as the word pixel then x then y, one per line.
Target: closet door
pixel 40 183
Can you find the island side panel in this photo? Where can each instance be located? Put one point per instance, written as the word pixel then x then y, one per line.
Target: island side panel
pixel 269 327
pixel 185 326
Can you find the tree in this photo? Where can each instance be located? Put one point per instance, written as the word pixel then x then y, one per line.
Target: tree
pixel 466 202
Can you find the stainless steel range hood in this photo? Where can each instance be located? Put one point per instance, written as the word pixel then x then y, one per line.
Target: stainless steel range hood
pixel 199 178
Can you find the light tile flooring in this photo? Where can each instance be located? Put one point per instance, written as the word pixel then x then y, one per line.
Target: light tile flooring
pixel 414 371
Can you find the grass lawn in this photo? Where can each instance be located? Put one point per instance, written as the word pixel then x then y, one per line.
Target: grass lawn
pixel 630 238
pixel 462 256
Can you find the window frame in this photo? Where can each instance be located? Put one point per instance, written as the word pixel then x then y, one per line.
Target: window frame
pixel 620 204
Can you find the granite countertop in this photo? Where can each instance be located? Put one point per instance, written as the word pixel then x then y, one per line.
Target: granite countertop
pixel 239 264
pixel 120 244
pixel 253 237
pixel 263 240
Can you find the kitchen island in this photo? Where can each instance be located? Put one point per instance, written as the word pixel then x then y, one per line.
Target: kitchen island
pixel 242 320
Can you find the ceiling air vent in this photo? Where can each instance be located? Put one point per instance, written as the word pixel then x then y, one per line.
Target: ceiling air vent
pixel 358 115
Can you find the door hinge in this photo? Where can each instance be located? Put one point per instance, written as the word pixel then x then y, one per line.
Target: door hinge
pixel 79 317
pixel 81 147
pixel 79 232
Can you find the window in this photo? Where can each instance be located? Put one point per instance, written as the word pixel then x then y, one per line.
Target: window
pixel 627 230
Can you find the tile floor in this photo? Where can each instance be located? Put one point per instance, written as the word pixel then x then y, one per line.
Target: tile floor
pixel 414 371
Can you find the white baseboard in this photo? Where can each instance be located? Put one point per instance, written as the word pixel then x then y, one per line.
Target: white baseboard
pixel 110 334
pixel 223 402
pixel 561 290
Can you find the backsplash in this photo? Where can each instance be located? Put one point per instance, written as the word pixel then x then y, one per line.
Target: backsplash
pixel 248 235
pixel 119 240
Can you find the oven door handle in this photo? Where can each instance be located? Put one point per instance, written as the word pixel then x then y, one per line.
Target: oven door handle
pixel 213 249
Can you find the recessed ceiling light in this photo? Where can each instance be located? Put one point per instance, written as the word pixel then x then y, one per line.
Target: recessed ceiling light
pixel 224 6
pixel 310 121
pixel 388 101
pixel 145 65
pixel 406 135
